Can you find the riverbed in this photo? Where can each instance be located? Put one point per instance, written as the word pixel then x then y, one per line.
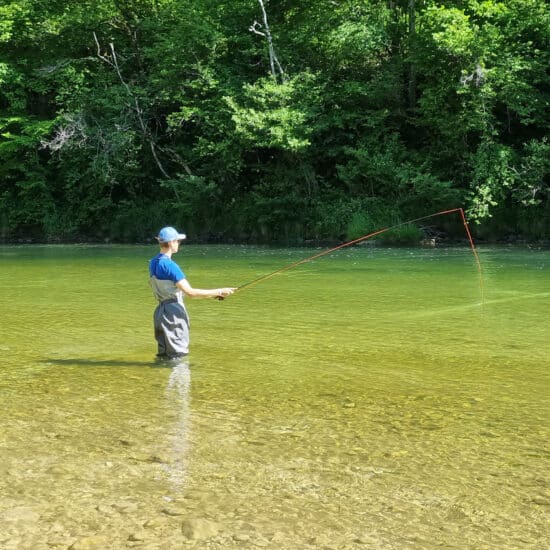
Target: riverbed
pixel 373 398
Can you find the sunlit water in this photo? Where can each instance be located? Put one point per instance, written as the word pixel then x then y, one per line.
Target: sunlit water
pixel 363 400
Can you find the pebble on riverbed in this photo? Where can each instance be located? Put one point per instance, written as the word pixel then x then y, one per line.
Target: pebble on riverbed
pixel 199 528
pixel 156 522
pixel 138 536
pixel 20 513
pixel 94 542
pixel 173 511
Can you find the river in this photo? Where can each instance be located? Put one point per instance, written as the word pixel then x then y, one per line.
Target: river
pixel 373 398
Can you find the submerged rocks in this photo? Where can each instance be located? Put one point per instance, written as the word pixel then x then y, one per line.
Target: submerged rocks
pixel 94 542
pixel 104 509
pixel 21 513
pixel 173 510
pixel 123 507
pixel 157 522
pixel 541 500
pixel 126 507
pixel 199 528
pixel 138 536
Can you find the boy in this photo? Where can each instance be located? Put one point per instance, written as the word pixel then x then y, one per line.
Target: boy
pixel 169 284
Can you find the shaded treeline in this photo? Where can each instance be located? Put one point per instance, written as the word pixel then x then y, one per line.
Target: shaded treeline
pixel 256 120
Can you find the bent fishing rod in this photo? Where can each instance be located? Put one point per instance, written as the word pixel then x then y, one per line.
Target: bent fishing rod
pixel 369 236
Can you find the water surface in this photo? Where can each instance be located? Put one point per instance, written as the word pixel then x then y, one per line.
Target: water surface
pixel 364 400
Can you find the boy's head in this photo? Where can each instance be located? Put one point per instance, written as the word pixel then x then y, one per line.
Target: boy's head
pixel 169 234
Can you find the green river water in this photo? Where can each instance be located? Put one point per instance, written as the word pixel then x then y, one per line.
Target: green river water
pixel 363 400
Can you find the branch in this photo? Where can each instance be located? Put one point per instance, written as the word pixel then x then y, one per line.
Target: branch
pixel 178 159
pixel 254 28
pixel 273 61
pixel 113 62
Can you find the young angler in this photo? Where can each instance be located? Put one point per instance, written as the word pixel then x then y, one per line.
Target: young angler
pixel 169 284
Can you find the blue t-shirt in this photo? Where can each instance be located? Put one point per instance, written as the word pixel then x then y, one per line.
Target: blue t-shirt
pixel 164 268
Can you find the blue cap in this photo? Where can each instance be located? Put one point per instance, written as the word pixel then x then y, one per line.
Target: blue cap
pixel 167 234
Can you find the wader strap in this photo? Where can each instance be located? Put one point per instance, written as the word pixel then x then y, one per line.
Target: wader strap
pixel 169 301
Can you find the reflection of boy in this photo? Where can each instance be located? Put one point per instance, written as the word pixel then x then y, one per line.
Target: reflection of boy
pixel 169 284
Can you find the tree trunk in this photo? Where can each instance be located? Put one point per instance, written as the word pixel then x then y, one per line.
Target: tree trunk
pixel 412 67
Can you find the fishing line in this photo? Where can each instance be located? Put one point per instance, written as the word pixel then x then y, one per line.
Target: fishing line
pixel 474 251
pixel 369 236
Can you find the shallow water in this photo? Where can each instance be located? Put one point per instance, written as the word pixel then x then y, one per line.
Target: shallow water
pixel 363 400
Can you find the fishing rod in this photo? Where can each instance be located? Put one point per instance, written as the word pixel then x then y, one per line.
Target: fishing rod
pixel 368 236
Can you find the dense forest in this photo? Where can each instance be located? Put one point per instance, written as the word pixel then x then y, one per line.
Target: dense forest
pixel 272 120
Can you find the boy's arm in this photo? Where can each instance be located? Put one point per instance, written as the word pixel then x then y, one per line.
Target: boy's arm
pixel 184 286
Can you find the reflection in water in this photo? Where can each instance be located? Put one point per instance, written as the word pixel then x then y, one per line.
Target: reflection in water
pixel 177 397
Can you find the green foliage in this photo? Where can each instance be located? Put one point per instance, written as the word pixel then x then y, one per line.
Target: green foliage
pixel 405 235
pixel 334 215
pixel 376 215
pixel 196 203
pixel 138 221
pixel 25 196
pixel 500 172
pixel 169 113
pixel 275 115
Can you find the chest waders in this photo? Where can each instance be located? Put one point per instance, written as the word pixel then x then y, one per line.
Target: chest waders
pixel 170 319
